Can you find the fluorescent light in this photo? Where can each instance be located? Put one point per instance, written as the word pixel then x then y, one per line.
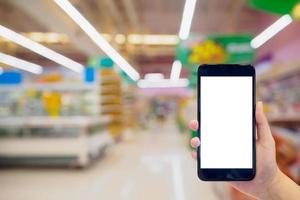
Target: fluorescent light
pixel 20 64
pixel 176 70
pixel 154 76
pixel 47 37
pixel 97 38
pixel 272 30
pixel 163 83
pixel 151 39
pixel 160 39
pixel 120 38
pixel 107 36
pixel 187 18
pixel 143 39
pixel 135 39
pixel 44 37
pixel 40 49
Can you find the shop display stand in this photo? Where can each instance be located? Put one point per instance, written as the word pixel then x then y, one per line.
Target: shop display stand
pixel 111 96
pixel 52 87
pixel 57 140
pixel 77 148
pixel 130 105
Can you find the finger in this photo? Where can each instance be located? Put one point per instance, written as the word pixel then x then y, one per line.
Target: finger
pixel 194 155
pixel 263 129
pixel 195 142
pixel 193 125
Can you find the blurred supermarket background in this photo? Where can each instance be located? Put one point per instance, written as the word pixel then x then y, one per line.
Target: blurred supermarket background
pixel 96 94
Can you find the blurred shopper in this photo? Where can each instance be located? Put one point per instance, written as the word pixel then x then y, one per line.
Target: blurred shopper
pixel 269 182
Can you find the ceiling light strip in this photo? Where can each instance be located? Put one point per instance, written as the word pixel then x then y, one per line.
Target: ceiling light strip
pixel 20 64
pixel 163 83
pixel 176 70
pixel 40 49
pixel 187 18
pixel 272 30
pixel 97 38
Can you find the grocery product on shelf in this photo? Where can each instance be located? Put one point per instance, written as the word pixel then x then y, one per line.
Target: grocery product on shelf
pixel 281 97
pixel 35 99
pixel 52 103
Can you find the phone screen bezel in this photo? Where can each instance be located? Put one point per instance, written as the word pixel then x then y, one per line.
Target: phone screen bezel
pixel 235 174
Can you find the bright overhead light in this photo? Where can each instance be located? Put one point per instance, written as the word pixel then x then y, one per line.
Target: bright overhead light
pixel 272 30
pixel 40 49
pixel 120 38
pixel 160 39
pixel 151 39
pixel 44 37
pixel 47 37
pixel 135 39
pixel 154 76
pixel 20 64
pixel 187 18
pixel 97 38
pixel 107 36
pixel 142 39
pixel 176 70
pixel 163 83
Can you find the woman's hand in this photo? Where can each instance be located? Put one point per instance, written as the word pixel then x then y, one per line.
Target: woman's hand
pixel 267 172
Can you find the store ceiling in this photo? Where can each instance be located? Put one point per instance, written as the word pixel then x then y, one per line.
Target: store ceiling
pixel 126 17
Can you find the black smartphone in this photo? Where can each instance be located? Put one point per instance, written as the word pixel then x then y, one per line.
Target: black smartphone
pixel 226 116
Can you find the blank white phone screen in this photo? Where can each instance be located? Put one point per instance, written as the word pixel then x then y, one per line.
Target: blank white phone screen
pixel 226 122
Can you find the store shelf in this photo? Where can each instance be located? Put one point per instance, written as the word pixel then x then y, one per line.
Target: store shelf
pixel 77 146
pixel 109 78
pixel 12 121
pixel 51 86
pixel 292 120
pixel 44 121
pixel 110 89
pixel 77 151
pixel 109 98
pixel 111 108
pixel 280 71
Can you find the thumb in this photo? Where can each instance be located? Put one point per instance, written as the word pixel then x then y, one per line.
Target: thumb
pixel 263 129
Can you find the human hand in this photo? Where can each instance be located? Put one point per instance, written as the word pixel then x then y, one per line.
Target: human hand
pixel 267 172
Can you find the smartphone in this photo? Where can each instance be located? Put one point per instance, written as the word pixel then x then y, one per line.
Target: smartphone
pixel 226 116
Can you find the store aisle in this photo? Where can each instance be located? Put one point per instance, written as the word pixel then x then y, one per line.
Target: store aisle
pixel 153 165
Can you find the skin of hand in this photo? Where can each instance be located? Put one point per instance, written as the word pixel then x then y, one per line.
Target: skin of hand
pixel 267 171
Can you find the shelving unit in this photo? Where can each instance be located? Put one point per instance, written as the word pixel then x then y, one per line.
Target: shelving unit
pixel 130 104
pixel 51 86
pixel 280 92
pixel 74 137
pixel 72 140
pixel 278 71
pixel 111 98
pixel 293 118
